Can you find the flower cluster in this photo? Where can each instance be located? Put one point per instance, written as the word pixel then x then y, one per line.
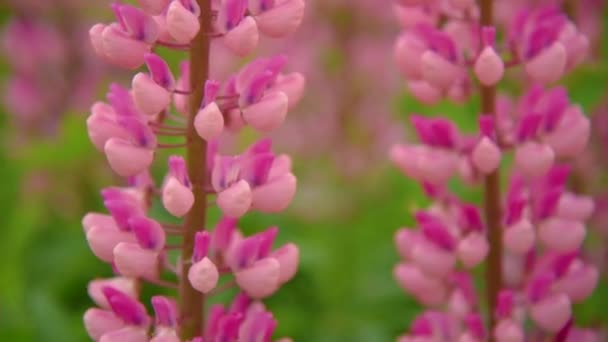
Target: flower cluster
pixel 45 51
pixel 531 236
pixel 435 58
pixel 128 129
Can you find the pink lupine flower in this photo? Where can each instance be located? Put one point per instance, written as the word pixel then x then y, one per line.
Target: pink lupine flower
pixel 543 38
pixel 541 223
pixel 125 285
pixel 550 311
pixel 209 121
pixel 130 129
pixel 489 67
pixel 255 179
pixel 177 193
pixel 182 20
pixel 166 313
pixel 203 275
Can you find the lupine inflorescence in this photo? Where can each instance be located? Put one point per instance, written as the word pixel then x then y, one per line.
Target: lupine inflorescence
pixel 130 128
pixel 529 237
pixel 44 50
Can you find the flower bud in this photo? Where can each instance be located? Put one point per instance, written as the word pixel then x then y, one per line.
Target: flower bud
pixel 121 50
pixel 127 159
pixel 127 286
pixel 549 65
pixel 236 200
pixel 429 290
pixel 166 312
pixel 149 233
pixel 260 279
pixel 292 85
pixel 570 137
pixel 159 71
pixel 177 198
pixel 283 19
pixel 486 156
pixel 102 241
pixel 575 208
pixel 561 235
pixel 438 165
pixel 203 275
pixel 275 195
pixel 288 257
pixel 243 39
pixel 579 284
pixel 533 159
pixel 489 67
pixel 182 24
pixel 98 322
pixel 267 114
pixel 552 312
pixel 133 261
pixel 438 71
pixel 433 260
pixel 473 249
pixel 519 238
pixel 209 122
pixel 149 97
pixel 95 34
pixel 102 125
pixel 91 220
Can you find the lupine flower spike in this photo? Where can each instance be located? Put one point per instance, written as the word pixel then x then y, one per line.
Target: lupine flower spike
pixel 132 126
pixel 530 236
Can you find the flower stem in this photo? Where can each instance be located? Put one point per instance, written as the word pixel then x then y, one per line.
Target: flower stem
pixel 192 302
pixel 492 207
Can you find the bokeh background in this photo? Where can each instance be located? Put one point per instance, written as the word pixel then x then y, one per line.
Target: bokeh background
pixel 350 200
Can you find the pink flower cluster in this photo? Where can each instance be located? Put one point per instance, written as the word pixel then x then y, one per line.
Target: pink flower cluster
pixel 542 224
pixel 175 23
pixel 435 59
pixel 44 53
pixel 128 129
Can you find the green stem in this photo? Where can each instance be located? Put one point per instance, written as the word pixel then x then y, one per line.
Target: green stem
pixel 192 302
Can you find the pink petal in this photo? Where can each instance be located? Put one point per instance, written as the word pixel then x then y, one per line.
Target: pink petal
pixel 203 275
pixel 268 114
pixel 489 67
pixel 182 24
pixel 127 159
pixel 177 198
pixel 131 260
pixel 122 50
pixel 276 195
pixel 99 322
pixel 209 122
pixel 549 65
pixel 261 279
pixel 288 257
pixel 243 39
pixel 102 241
pixel 236 200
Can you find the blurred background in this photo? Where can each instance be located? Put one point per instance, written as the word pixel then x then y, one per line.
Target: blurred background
pixel 350 200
